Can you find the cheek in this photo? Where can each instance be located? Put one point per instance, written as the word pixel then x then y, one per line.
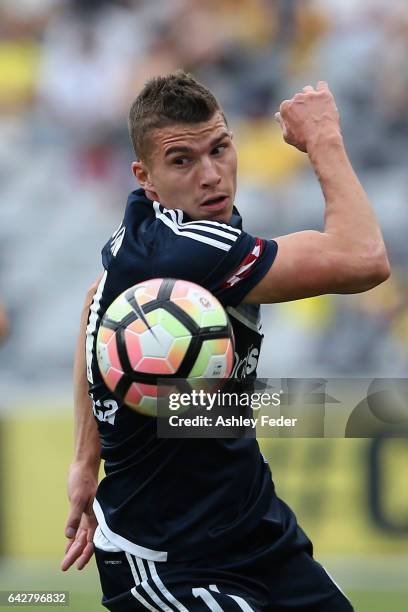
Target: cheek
pixel 164 181
pixel 174 188
pixel 234 159
pixel 232 165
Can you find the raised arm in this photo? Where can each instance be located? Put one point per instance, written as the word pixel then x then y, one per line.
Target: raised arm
pixel 349 256
pixel 83 472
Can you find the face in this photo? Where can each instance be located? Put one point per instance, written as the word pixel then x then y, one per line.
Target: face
pixel 192 167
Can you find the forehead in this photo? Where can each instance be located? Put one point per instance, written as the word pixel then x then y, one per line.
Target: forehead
pixel 191 135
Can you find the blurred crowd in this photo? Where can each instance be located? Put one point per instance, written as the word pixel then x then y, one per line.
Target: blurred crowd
pixel 69 70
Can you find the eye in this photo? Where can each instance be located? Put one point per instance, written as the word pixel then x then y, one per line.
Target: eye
pixel 181 161
pixel 219 149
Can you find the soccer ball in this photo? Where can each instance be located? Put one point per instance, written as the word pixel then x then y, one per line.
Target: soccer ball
pixel 162 329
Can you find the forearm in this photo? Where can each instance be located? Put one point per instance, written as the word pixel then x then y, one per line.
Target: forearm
pixel 349 213
pixel 87 443
pixel 351 226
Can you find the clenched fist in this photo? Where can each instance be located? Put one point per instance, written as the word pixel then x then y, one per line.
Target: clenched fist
pixel 308 116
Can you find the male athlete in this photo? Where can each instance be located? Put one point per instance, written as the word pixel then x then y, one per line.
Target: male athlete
pixel 196 524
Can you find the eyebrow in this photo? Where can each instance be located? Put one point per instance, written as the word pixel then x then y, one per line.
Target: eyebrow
pixel 181 149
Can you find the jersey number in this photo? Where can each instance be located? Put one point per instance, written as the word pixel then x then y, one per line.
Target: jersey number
pixel 212 603
pixel 106 411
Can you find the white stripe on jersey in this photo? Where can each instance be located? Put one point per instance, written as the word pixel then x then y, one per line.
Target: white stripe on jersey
pixel 133 569
pixel 194 234
pixel 157 580
pixel 209 230
pixel 203 222
pixel 240 600
pixel 103 543
pixel 197 225
pixel 123 543
pixel 90 329
pixel 144 583
pixel 198 237
pixel 141 568
pixel 208 599
pixel 142 600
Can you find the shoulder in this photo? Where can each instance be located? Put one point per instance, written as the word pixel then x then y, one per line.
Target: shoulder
pixel 226 260
pixel 134 233
pixel 192 250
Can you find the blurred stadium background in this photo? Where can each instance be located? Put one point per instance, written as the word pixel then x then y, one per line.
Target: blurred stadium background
pixel 68 72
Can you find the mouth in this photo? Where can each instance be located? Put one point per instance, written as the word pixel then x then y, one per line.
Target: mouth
pixel 215 203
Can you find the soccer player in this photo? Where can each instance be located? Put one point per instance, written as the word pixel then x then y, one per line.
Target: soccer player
pixel 196 524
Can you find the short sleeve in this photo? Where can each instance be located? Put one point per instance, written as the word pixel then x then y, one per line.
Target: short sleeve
pixel 225 260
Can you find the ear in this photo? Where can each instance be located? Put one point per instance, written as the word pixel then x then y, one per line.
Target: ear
pixel 142 174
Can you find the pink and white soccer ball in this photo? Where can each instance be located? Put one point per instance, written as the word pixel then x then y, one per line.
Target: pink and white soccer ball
pixel 162 328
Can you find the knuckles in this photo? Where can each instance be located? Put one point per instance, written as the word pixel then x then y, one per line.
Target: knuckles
pixel 284 106
pixel 309 97
pixel 78 499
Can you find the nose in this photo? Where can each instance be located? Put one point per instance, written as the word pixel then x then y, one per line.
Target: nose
pixel 210 176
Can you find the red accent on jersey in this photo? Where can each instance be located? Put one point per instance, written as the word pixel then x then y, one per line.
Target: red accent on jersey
pixel 246 265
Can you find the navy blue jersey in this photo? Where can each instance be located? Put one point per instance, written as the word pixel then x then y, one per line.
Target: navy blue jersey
pixel 176 499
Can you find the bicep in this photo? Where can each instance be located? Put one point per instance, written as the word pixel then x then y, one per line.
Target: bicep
pixel 306 265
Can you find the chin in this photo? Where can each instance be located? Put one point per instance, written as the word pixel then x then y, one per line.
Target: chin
pixel 223 217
